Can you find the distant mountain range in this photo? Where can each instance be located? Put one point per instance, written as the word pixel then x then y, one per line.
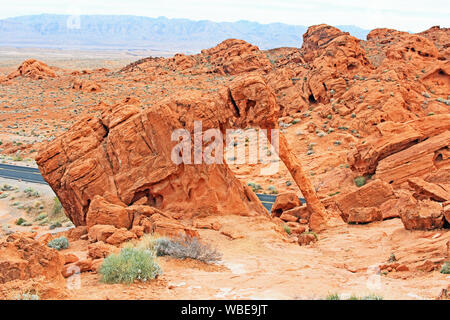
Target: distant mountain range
pixel 135 33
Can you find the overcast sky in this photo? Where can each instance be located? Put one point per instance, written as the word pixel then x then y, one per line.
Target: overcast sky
pixel 408 15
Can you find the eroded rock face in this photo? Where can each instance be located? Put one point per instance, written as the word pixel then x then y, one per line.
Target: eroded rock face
pixel 422 215
pixel 428 190
pixel 416 161
pixel 126 155
pixel 362 205
pixel 106 165
pixel 384 98
pixel 284 202
pixel 32 69
pixel 333 54
pixel 116 171
pixel 393 137
pixel 22 257
pixel 85 85
pixel 235 56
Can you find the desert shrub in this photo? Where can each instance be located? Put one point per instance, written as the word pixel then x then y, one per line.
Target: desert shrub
pixel 392 258
pixel 59 243
pixel 7 187
pixel 20 221
pixel 41 217
pixel 272 190
pixel 29 192
pixel 55 225
pixel 333 296
pixel 287 229
pixel 360 181
pixel 255 187
pixel 27 296
pixel 17 157
pixel 128 265
pixel 313 233
pixel 372 297
pixel 445 268
pixel 187 247
pixel 336 296
pixel 148 242
pixel 57 207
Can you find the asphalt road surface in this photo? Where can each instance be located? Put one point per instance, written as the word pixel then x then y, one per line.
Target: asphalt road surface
pixel 21 173
pixel 34 175
pixel 268 200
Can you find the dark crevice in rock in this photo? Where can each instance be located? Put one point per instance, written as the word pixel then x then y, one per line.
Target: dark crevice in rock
pixel 236 108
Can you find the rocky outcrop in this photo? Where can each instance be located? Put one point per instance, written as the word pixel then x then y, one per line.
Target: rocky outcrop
pixel 85 85
pixel 126 154
pixel 22 257
pixel 33 69
pixel 416 161
pixel 363 205
pixel 422 215
pixel 125 157
pixel 235 56
pixel 439 36
pixel 426 190
pixel 332 55
pixel 393 137
pixel 284 202
pixel 230 57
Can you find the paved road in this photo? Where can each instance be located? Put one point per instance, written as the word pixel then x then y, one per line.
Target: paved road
pixel 33 175
pixel 268 200
pixel 21 173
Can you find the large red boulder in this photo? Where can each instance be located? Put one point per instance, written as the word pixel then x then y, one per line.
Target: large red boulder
pixel 422 215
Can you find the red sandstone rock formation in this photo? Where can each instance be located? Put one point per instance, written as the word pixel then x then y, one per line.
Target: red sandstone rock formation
pixel 85 85
pixel 104 166
pixel 32 69
pixel 22 257
pixel 390 90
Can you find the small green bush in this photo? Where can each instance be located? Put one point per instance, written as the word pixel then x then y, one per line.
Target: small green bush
pixel 336 296
pixel 55 225
pixel 445 268
pixel 57 207
pixel 41 217
pixel 287 229
pixel 392 258
pixel 333 296
pixel 59 243
pixel 372 297
pixel 20 221
pixel 272 190
pixel 360 181
pixel 187 247
pixel 128 265
pixel 29 192
pixel 255 187
pixel 313 233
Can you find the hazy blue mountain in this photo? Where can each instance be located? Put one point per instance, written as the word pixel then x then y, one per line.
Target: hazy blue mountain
pixel 133 32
